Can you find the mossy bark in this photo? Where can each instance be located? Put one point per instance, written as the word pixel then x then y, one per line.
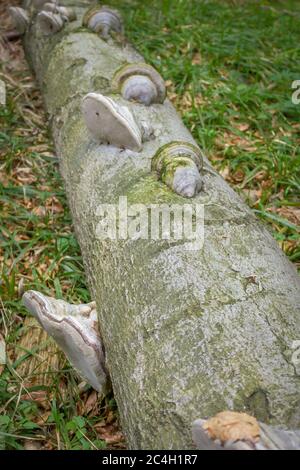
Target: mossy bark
pixel 187 333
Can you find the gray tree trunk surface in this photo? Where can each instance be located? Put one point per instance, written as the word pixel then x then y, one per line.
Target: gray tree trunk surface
pixel 187 333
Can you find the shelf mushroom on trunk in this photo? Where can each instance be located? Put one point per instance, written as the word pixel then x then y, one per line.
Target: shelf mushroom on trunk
pixel 39 4
pixel 68 14
pixel 75 329
pixel 178 165
pixel 139 82
pixel 110 123
pixel 50 16
pixel 20 18
pixel 49 22
pixel 103 21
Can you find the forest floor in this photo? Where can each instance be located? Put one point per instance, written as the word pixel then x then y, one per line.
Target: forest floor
pixel 229 68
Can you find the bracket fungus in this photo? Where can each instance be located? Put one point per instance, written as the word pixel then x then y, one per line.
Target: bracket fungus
pixel 49 22
pixel 139 82
pixel 67 14
pixel 20 18
pixel 39 4
pixel 178 165
pixel 75 329
pixel 110 123
pixel 103 20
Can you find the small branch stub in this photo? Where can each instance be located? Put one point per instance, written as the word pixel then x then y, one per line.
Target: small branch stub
pixel 178 165
pixel 75 329
pixel 111 123
pixel 139 82
pixel 103 21
pixel 20 18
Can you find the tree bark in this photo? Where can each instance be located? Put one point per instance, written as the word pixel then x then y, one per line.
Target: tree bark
pixel 187 333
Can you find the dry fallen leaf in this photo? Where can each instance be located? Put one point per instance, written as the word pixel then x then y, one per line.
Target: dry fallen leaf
pixel 40 211
pixel 253 194
pixel 225 172
pixel 40 397
pixel 290 213
pixel 90 407
pixel 169 83
pixel 39 148
pixel 196 60
pixel 238 176
pixel 232 426
pixel 261 175
pixel 53 205
pixel 32 445
pixel 242 126
pixel 227 140
pixel 24 175
pixel 109 433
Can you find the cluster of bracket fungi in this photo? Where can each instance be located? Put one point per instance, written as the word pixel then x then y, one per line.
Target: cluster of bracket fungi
pixel 47 14
pixel 177 164
pixel 51 17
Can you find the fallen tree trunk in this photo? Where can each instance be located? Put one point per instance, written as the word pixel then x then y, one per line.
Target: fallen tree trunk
pixel 187 333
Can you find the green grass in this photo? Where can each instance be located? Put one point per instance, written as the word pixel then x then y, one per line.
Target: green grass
pixel 229 68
